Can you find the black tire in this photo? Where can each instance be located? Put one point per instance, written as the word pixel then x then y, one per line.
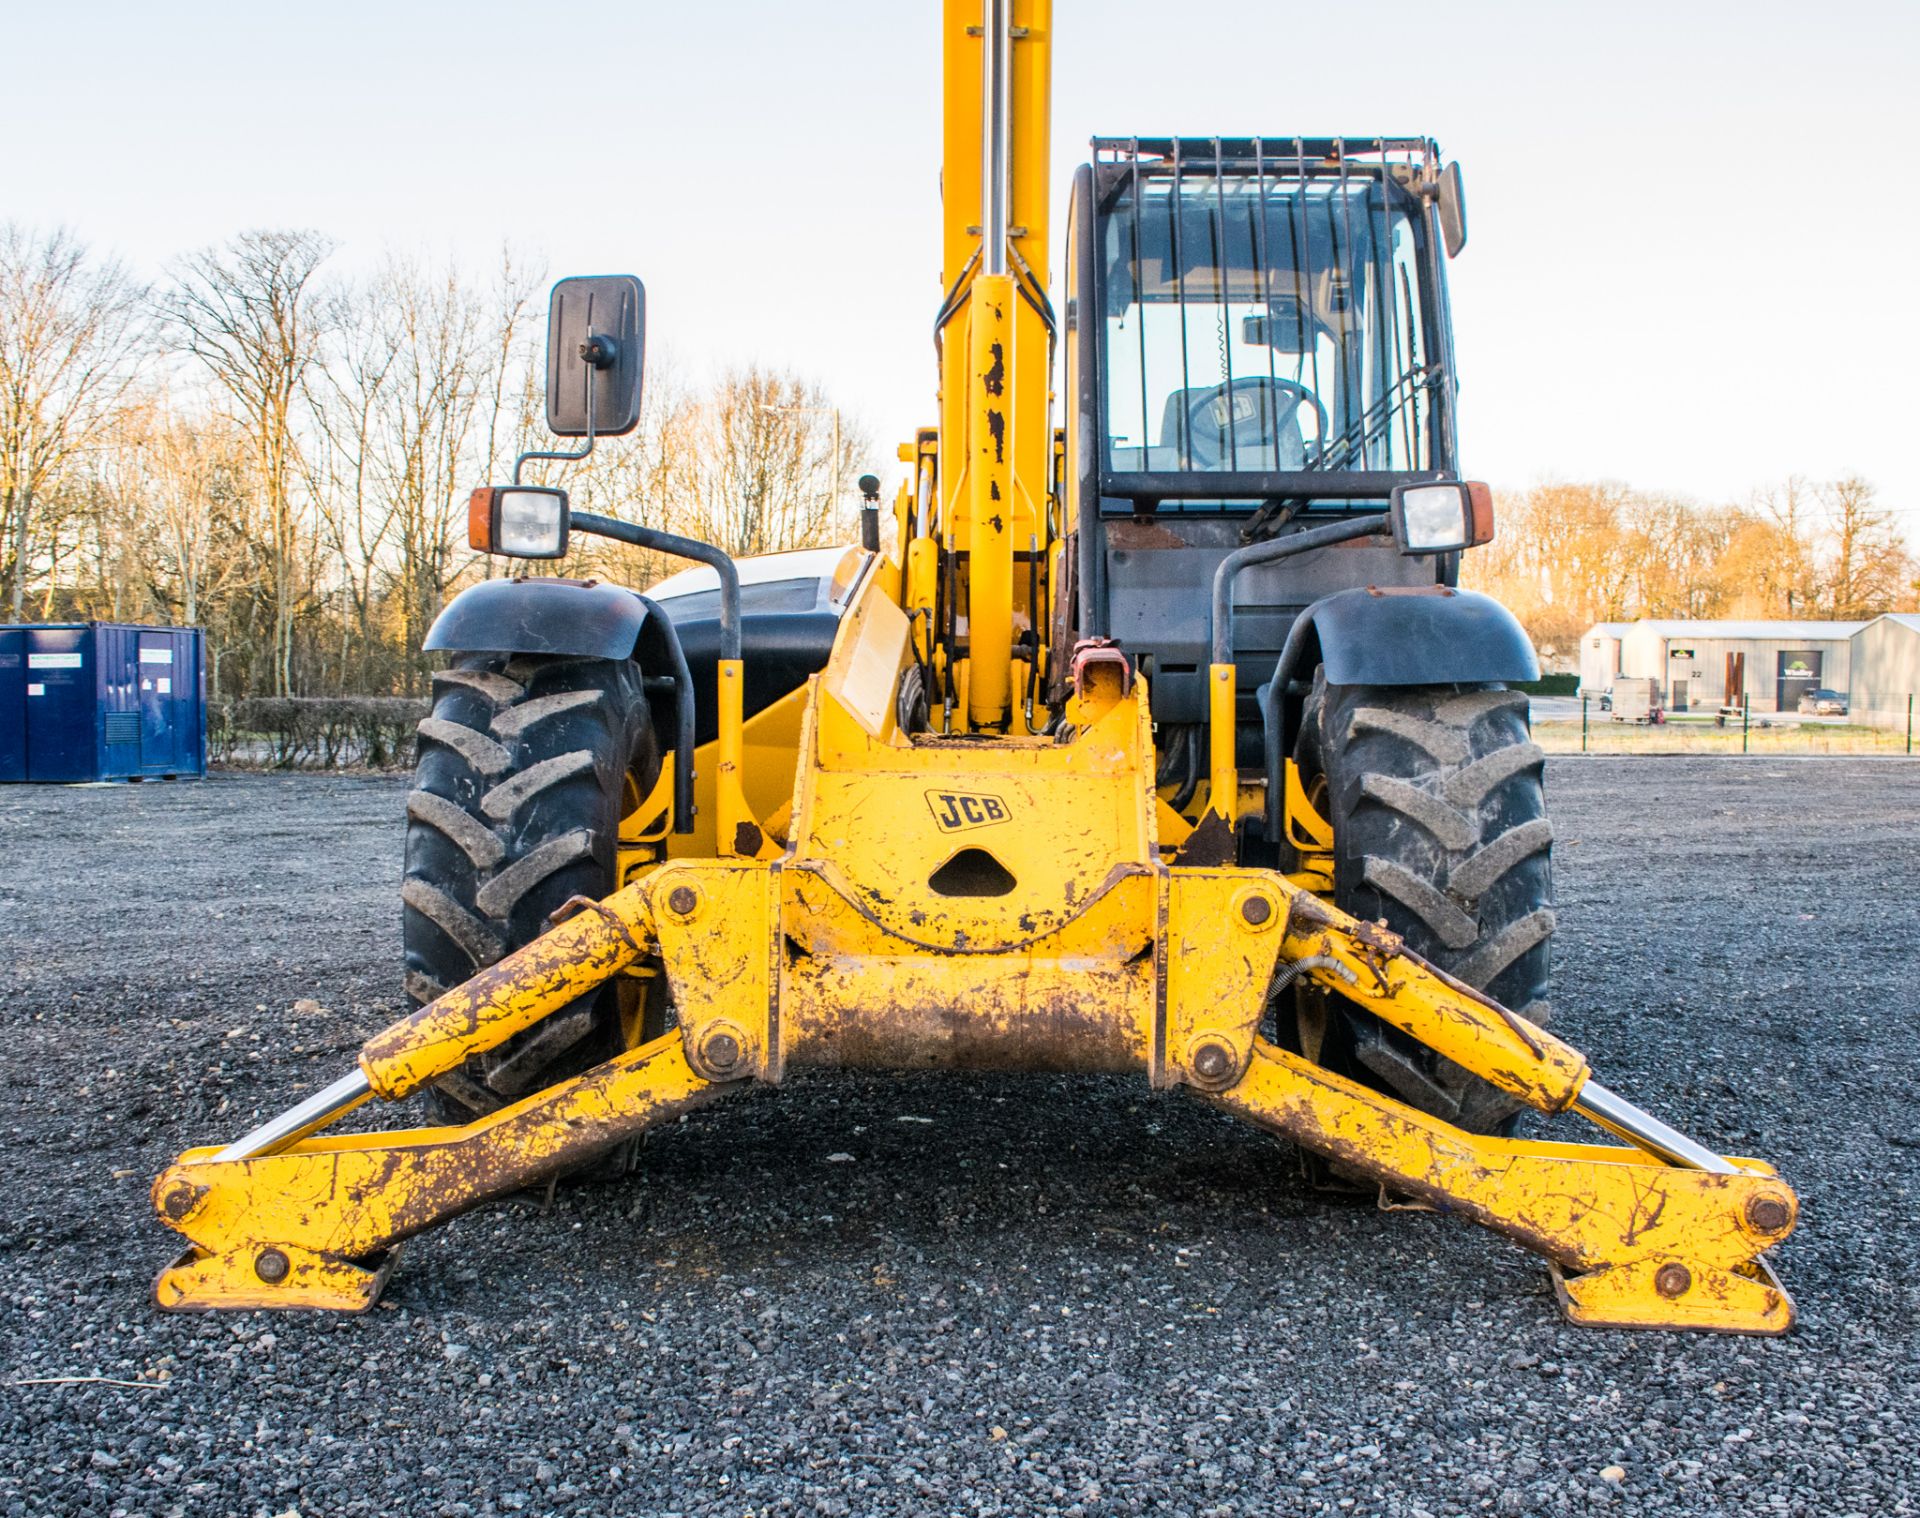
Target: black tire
pixel 526 767
pixel 1440 828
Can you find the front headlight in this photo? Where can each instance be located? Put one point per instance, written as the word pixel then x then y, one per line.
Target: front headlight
pixel 526 521
pixel 1441 518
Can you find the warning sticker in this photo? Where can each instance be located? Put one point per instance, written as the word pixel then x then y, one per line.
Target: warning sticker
pixel 36 689
pixel 156 656
pixel 164 685
pixel 53 661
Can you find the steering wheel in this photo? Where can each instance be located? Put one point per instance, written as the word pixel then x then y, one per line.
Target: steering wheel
pixel 1229 417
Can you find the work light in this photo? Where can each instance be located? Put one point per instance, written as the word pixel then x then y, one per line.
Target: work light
pixel 525 521
pixel 1442 518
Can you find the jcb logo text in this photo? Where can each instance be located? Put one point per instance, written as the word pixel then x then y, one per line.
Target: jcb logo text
pixel 956 811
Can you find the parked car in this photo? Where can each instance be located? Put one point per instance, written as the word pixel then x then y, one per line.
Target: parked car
pixel 1823 703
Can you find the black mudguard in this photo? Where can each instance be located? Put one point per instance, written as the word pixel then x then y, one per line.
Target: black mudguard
pixel 1424 637
pixel 1438 636
pixel 541 616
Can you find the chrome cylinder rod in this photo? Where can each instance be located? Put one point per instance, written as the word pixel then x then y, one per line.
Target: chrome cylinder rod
pixel 298 1121
pixel 1619 1116
pixel 996 133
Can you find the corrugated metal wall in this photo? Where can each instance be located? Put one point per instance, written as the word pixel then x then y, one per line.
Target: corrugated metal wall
pixel 1647 654
pixel 1886 669
pixel 1599 662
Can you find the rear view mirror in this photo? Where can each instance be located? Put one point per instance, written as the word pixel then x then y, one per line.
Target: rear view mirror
pixel 1453 210
pixel 596 340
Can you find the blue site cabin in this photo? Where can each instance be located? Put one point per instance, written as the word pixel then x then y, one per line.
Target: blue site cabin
pixel 102 701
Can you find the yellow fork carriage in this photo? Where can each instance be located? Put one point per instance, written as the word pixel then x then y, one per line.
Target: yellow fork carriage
pixel 1160 743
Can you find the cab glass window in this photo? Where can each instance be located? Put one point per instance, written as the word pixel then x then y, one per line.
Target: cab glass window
pixel 1254 323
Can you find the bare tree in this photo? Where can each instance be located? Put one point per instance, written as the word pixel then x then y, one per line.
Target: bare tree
pixel 199 474
pixel 423 377
pixel 249 313
pixel 1789 508
pixel 295 482
pixel 1870 566
pixel 356 511
pixel 765 474
pixel 449 342
pixel 70 330
pixel 1569 555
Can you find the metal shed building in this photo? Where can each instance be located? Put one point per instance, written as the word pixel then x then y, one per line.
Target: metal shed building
pixel 1709 664
pixel 101 701
pixel 1886 668
pixel 1600 656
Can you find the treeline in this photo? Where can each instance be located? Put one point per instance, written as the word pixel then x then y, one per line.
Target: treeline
pixel 264 446
pixel 282 453
pixel 1565 556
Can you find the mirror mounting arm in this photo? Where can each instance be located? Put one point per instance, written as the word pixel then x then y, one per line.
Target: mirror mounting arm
pixel 597 359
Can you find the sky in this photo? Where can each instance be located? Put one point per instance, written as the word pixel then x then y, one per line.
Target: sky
pixel 1692 253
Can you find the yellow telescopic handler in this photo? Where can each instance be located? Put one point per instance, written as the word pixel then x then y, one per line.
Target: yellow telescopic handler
pixel 1159 741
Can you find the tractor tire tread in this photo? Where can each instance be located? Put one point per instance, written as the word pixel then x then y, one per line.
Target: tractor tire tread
pixel 1477 874
pixel 527 763
pixel 480 751
pixel 511 794
pixel 496 688
pixel 1444 743
pixel 1436 798
pixel 1452 827
pixel 475 839
pixel 1454 925
pixel 502 892
pixel 1472 784
pixel 475 939
pixel 515 720
pixel 1490 960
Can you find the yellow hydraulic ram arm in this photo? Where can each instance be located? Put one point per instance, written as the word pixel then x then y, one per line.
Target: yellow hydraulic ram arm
pixel 996 441
pixel 1661 1234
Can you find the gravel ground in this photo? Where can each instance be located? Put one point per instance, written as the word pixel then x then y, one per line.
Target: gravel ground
pixel 958 1295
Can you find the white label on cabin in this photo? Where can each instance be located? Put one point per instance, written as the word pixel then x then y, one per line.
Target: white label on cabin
pixel 36 689
pixel 164 686
pixel 53 661
pixel 156 656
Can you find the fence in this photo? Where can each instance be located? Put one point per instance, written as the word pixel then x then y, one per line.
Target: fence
pixel 377 732
pixel 314 732
pixel 1870 723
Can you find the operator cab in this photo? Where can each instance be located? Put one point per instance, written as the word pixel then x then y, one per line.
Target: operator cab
pixel 1258 343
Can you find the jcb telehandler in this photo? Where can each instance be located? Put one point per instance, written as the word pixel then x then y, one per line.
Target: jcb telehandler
pixel 1159 741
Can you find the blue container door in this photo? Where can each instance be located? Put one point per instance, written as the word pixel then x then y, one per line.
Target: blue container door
pixel 116 653
pixel 61 742
pixel 193 688
pixel 160 704
pixel 13 703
